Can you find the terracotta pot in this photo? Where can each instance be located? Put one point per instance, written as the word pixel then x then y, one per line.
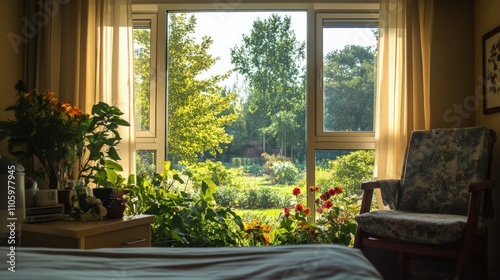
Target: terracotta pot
pixel 65 197
pixel 115 212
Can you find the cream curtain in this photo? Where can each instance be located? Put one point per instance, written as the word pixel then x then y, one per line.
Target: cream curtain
pixel 402 102
pixel 84 53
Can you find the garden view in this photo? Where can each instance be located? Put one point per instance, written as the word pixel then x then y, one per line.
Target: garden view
pixel 235 170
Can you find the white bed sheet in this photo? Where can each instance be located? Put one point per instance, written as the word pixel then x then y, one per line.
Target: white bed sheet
pixel 273 262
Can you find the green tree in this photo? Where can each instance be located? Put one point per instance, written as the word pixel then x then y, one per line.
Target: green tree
pixel 270 59
pixel 197 108
pixel 349 81
pixel 142 66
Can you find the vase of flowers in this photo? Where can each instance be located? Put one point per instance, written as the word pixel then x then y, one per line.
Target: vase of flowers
pixel 46 129
pixel 59 134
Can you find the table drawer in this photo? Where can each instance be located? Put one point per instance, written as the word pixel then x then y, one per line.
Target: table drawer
pixel 138 236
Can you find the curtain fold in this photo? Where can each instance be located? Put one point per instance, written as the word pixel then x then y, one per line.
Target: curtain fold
pixel 402 102
pixel 84 53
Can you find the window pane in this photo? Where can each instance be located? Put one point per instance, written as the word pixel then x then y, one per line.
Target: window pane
pixel 146 162
pixel 343 168
pixel 349 55
pixel 236 103
pixel 142 72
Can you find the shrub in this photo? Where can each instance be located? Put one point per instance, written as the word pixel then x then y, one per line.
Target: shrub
pixel 227 196
pixel 254 169
pixel 270 160
pixel 262 198
pixel 352 169
pixel 213 171
pixel 283 172
pixel 324 178
pixel 183 219
pixel 280 169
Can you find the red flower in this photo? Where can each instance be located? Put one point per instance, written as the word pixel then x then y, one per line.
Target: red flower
pixel 296 191
pixel 313 189
pixel 307 211
pixel 325 196
pixel 287 211
pixel 328 204
pixel 339 190
pixel 331 192
pixel 299 207
pixel 320 210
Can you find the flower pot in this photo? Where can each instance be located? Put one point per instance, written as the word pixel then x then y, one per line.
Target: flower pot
pixel 104 194
pixel 115 212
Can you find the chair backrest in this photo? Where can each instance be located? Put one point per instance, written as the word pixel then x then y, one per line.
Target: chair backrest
pixel 439 166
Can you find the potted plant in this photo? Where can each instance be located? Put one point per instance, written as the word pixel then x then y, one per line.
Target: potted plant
pixel 46 129
pixel 99 165
pixel 117 205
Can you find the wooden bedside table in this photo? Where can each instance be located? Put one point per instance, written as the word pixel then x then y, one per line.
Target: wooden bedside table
pixel 112 233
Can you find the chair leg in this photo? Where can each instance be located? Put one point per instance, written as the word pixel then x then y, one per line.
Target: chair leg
pixel 480 259
pixel 401 265
pixel 358 239
pixel 463 262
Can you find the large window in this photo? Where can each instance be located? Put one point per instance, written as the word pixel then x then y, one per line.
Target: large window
pixel 311 101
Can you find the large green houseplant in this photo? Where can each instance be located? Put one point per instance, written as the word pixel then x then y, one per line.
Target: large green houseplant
pixel 97 152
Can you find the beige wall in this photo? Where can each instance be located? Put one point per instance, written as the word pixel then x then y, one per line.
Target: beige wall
pixel 487 18
pixel 452 64
pixel 12 60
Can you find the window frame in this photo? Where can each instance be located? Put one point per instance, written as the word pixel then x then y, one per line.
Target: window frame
pixel 139 21
pixel 152 139
pixel 315 139
pixel 343 140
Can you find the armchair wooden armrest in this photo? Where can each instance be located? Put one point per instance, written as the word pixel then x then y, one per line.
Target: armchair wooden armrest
pixel 370 185
pixel 481 192
pixel 366 202
pixel 481 186
pixel 388 188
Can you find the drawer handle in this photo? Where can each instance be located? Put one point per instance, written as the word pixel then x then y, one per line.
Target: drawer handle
pixel 134 242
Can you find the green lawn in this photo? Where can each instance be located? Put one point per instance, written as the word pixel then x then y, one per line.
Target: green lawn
pixel 265 215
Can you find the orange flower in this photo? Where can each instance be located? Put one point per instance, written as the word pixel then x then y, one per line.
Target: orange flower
pixel 307 211
pixel 267 238
pixel 304 225
pixel 313 189
pixel 266 228
pixel 49 95
pixel 339 190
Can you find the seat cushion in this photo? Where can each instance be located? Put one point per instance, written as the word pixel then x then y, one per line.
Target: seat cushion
pixel 413 227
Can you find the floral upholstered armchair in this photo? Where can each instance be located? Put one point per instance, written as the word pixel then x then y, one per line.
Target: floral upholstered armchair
pixel 436 208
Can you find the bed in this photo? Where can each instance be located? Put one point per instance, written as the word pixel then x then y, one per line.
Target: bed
pixel 273 262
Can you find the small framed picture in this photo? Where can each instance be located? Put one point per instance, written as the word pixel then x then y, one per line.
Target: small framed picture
pixel 491 71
